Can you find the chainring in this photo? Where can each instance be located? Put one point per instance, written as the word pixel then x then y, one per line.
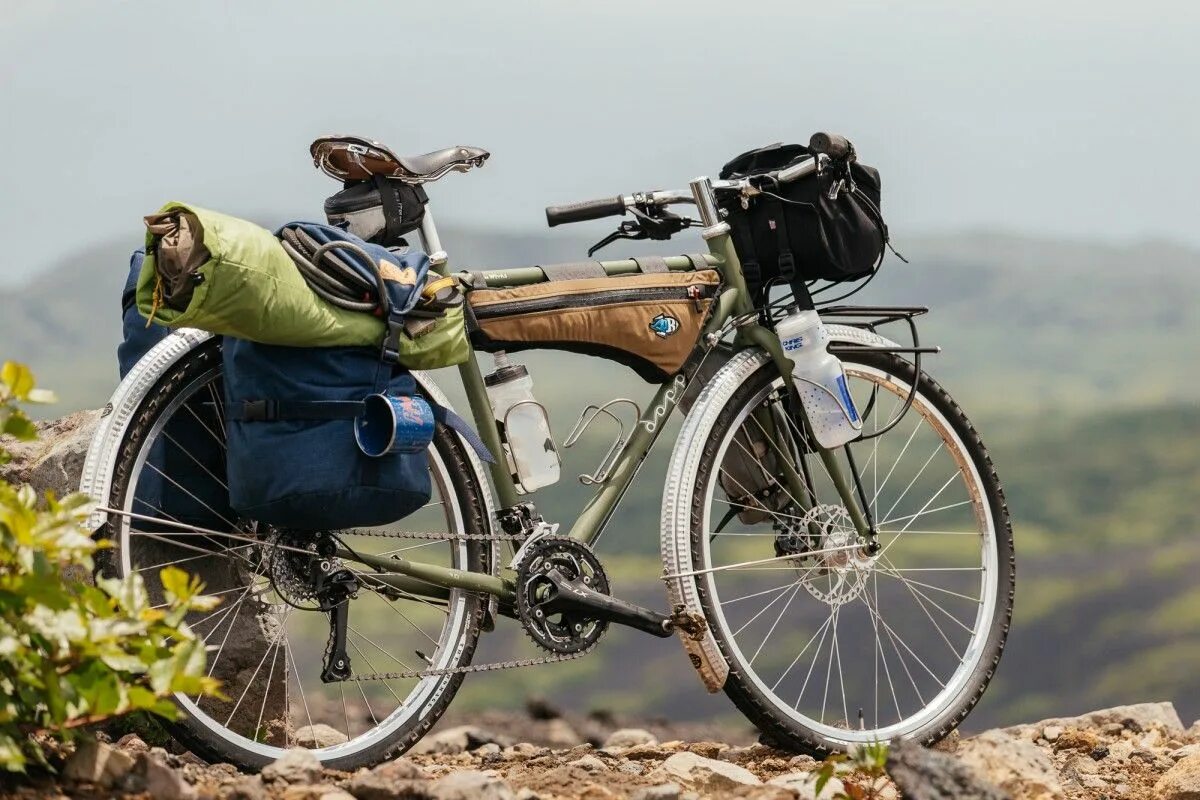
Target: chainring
pixel 557 631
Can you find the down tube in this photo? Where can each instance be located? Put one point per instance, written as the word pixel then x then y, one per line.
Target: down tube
pixel 596 513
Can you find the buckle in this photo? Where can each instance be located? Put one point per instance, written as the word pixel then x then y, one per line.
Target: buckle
pixel 787 265
pixel 258 410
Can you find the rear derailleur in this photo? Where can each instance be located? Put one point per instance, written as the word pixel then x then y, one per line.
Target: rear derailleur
pixel 304 569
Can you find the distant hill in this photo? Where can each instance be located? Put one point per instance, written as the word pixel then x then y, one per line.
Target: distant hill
pixel 1026 324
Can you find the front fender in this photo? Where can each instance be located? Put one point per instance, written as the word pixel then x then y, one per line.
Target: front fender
pixel 676 521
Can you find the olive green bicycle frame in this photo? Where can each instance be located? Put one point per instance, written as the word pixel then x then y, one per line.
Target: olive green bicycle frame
pixel 434 581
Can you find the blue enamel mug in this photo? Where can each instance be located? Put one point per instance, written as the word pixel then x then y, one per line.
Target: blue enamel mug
pixel 393 425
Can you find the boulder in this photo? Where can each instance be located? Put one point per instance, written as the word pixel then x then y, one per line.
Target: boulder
pixel 663 791
pixel 471 785
pixel 1015 765
pixel 160 781
pixel 54 461
pixel 560 735
pixel 1138 717
pixel 294 766
pixel 319 735
pixel 1180 782
pixel 98 763
pixel 458 740
pixel 391 780
pixel 629 737
pixel 247 787
pixel 589 763
pixel 922 774
pixel 706 774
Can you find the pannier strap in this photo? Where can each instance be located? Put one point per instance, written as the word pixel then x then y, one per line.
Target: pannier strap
pixel 652 264
pixel 574 271
pixel 282 410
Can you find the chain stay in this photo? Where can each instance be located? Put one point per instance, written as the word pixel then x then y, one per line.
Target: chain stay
pixel 470 668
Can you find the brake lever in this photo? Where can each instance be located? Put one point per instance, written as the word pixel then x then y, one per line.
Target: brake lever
pixel 626 230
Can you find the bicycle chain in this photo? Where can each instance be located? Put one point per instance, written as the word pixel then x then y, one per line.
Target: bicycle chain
pixel 493 666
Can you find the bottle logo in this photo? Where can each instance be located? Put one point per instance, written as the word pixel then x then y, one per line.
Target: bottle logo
pixel 795 343
pixel 664 325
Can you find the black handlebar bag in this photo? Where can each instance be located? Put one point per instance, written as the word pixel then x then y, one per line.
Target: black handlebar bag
pixel 824 226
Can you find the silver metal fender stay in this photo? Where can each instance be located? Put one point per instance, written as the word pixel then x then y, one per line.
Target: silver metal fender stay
pixel 676 522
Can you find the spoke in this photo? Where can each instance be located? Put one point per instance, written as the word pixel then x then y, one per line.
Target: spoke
pixel 915 478
pixel 803 650
pixel 195 460
pixel 758 594
pixel 177 485
pixel 410 622
pixel 934 533
pixel 262 661
pixel 936 569
pixel 345 711
pixel 923 512
pixel 205 554
pixel 206 594
pixel 372 667
pixel 888 574
pixel 816 657
pixel 841 675
pixel 912 588
pixel 896 463
pixel 782 611
pixel 218 439
pixel 829 669
pixel 372 642
pixel 267 692
pixel 764 610
pixel 296 671
pixel 935 624
pixel 896 650
pixel 883 657
pixel 898 638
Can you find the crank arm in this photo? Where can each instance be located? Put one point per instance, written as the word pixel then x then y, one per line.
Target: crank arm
pixel 575 595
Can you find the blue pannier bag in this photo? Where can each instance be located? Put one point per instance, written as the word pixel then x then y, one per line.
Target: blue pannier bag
pixel 187 449
pixel 291 415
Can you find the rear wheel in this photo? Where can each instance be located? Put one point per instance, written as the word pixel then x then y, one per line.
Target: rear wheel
pixel 827 643
pixel 266 642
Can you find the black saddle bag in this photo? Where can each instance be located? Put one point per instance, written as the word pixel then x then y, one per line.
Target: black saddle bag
pixel 824 226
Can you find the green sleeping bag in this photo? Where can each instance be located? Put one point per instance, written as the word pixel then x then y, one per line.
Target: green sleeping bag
pixel 232 278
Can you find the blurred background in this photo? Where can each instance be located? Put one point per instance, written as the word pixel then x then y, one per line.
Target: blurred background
pixel 1039 173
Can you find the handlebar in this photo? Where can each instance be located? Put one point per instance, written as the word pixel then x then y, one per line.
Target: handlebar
pixel 825 147
pixel 830 144
pixel 588 209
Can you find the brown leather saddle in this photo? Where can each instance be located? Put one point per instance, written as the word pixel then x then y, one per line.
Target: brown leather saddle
pixel 352 158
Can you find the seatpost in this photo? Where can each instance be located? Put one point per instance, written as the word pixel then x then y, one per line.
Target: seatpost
pixel 433 244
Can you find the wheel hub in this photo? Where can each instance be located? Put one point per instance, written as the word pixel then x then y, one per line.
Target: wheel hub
pixel 834 563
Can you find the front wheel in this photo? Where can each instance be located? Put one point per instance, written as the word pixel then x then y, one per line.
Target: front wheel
pixel 828 642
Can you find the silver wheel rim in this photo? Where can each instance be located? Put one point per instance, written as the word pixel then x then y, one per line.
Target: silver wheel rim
pixel 415 702
pixel 960 681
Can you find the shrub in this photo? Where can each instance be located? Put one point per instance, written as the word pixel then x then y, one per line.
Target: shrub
pixel 73 654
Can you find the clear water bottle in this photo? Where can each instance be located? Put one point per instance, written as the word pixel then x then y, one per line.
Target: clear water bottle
pixel 529 448
pixel 820 379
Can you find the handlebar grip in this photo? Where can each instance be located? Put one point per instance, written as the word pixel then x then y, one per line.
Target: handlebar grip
pixel 830 144
pixel 588 209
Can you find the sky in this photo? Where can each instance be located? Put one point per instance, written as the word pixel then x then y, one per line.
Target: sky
pixel 1063 118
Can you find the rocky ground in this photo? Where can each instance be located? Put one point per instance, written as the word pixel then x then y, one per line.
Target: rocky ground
pixel 1139 752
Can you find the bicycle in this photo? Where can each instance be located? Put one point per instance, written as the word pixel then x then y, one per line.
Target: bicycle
pixel 802 600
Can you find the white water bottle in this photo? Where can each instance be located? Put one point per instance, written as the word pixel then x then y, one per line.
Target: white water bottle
pixel 529 448
pixel 820 379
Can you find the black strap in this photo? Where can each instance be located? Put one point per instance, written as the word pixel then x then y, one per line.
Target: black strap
pixel 277 410
pixel 319 410
pixel 787 262
pixel 743 240
pixel 392 221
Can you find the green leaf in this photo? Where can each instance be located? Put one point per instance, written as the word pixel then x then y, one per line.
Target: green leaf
pixel 17 378
pixel 175 582
pixel 20 427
